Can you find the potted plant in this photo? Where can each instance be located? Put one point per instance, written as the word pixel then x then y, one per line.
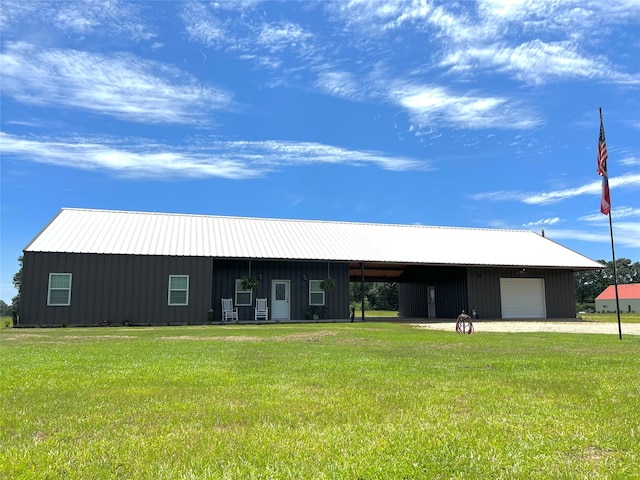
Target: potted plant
pixel 315 312
pixel 249 283
pixel 327 284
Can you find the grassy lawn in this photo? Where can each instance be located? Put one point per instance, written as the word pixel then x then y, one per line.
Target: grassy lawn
pixel 321 401
pixel 610 317
pixel 377 313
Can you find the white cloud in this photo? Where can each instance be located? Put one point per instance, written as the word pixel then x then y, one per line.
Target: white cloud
pixel 542 222
pixel 202 25
pixel 227 159
pixel 339 84
pixel 121 86
pixel 281 36
pixel 589 189
pixel 542 198
pixel 538 62
pixel 625 234
pixel 534 41
pixel 432 105
pixel 620 212
pixel 131 160
pixel 380 14
pixel 558 195
pixel 112 18
pixel 570 234
pixel 630 161
pixel 499 196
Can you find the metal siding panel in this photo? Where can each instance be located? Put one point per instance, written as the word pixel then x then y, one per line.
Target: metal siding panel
pixel 129 300
pixel 412 300
pixel 30 288
pixel 101 287
pixel 147 286
pixel 450 290
pixel 484 292
pixel 111 272
pixel 560 294
pixel 86 294
pixel 451 298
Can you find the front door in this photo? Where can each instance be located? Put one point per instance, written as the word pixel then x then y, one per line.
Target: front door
pixel 280 290
pixel 431 301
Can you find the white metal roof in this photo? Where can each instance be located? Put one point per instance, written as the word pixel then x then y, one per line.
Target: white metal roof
pixel 139 233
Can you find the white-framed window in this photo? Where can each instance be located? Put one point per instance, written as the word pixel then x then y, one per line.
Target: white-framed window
pixel 316 294
pixel 59 291
pixel 243 297
pixel 178 289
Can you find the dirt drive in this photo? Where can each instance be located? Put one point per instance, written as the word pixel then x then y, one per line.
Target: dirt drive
pixel 541 326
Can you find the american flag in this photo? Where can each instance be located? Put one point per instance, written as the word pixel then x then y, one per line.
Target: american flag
pixel 602 152
pixel 605 199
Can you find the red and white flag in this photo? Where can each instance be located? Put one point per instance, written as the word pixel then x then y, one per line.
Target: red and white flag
pixel 603 156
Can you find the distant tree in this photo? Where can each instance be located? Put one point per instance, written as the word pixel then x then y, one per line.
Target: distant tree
pixel 355 295
pixel 627 272
pixel 384 296
pixel 17 282
pixel 5 310
pixel 590 284
pixel 377 295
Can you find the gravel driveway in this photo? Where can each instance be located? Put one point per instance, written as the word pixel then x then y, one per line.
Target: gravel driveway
pixel 542 326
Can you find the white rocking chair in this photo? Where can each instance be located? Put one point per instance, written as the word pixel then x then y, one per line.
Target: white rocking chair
pixel 229 314
pixel 262 311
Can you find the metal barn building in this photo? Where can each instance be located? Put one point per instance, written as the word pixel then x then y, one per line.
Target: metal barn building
pixel 628 299
pixel 97 267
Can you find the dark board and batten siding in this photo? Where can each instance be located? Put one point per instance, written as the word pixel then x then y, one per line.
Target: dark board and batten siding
pixel 225 273
pixel 478 288
pixel 450 291
pixel 484 290
pixel 114 289
pixel 133 289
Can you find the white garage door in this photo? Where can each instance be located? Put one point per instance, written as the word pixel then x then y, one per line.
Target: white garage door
pixel 522 298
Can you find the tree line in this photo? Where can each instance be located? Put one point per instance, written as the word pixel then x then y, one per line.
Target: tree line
pixel 591 283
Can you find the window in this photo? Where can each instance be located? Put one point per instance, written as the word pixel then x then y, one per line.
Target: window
pixel 59 289
pixel 316 294
pixel 243 297
pixel 178 289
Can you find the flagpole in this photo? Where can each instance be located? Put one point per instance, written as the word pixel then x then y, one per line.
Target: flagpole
pixel 613 253
pixel 615 277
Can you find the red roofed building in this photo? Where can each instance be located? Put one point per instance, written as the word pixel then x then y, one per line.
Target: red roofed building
pixel 628 297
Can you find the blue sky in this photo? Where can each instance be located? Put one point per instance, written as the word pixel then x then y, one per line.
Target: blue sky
pixel 474 114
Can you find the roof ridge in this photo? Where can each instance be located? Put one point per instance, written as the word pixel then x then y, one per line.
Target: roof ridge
pixel 300 220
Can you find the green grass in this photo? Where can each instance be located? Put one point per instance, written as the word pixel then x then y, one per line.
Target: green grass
pixel 610 317
pixel 6 321
pixel 377 313
pixel 321 401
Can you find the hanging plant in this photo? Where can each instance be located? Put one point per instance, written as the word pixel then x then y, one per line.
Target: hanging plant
pixel 249 283
pixel 327 284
